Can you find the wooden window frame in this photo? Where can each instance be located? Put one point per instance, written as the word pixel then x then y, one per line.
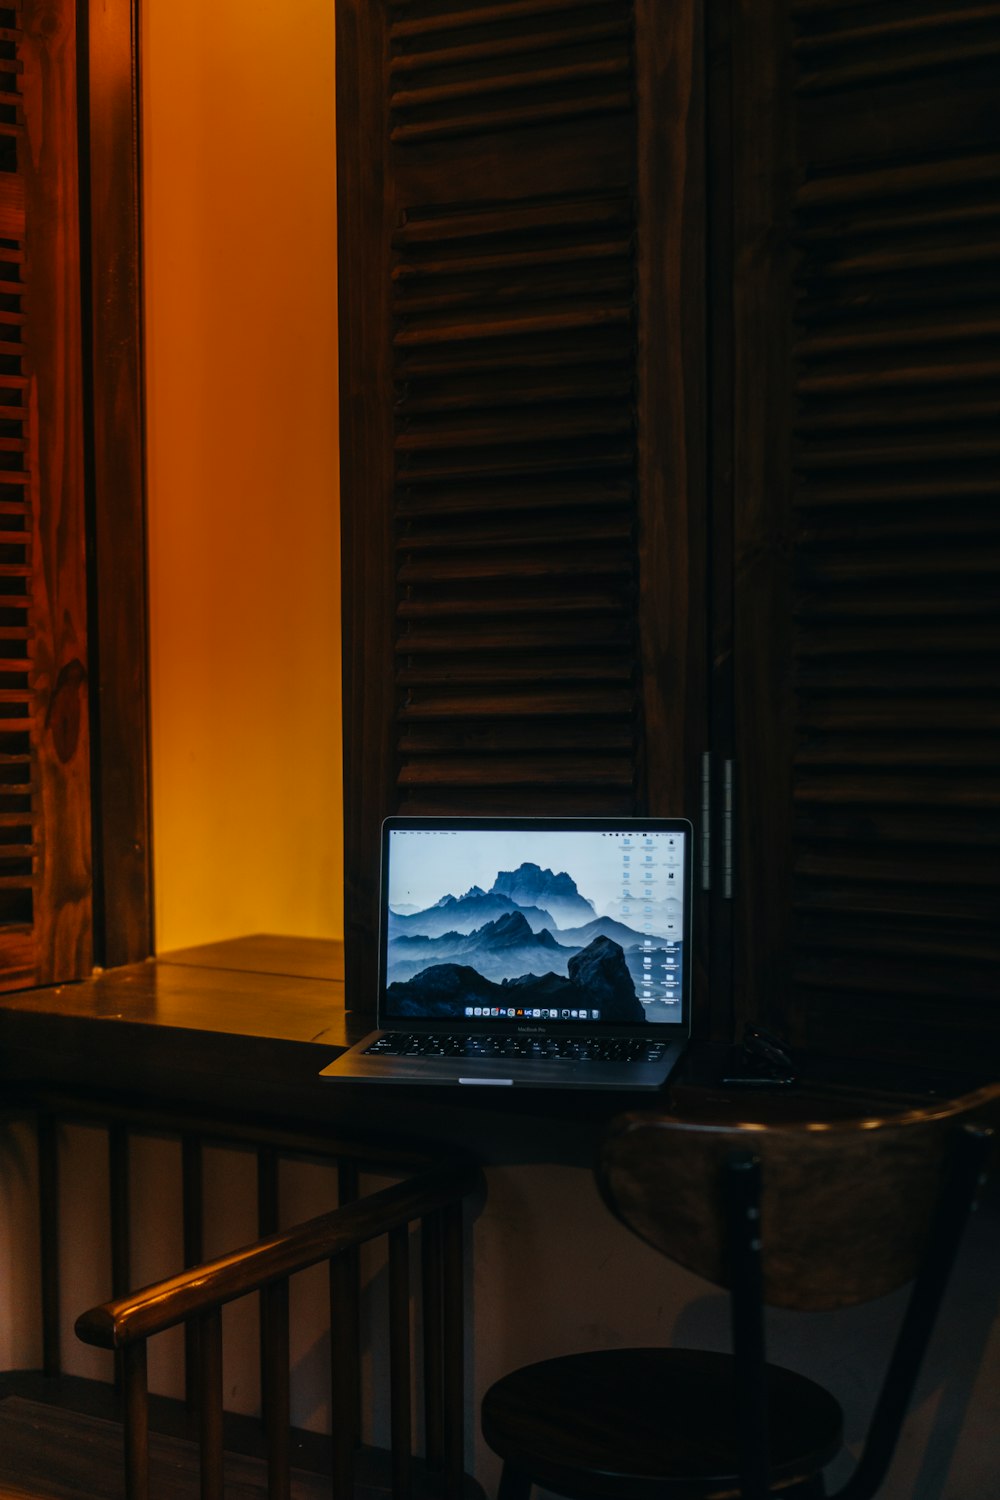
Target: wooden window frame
pixel 77 870
pixel 112 256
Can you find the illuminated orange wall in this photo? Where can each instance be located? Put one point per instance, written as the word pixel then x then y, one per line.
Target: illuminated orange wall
pixel 240 262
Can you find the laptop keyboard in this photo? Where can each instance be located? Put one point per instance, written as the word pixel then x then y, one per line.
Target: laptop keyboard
pixel 575 1048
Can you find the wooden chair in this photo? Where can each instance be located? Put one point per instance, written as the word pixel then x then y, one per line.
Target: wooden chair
pixel 810 1216
pixel 68 1438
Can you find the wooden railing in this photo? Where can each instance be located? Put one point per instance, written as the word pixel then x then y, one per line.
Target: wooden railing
pixel 429 1197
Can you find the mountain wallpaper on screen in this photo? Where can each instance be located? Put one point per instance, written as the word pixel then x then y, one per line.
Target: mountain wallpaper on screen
pixel 530 886
pixel 531 940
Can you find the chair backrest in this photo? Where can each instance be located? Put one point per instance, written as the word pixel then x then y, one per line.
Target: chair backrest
pixel 845 1206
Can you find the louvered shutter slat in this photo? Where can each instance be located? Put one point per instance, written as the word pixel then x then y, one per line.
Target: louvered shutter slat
pixel 45 931
pixel 18 813
pixel 524 274
pixel 541 41
pixel 893 822
pixel 497 498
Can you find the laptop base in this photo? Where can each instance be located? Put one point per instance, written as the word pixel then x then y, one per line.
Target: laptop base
pixel 532 1073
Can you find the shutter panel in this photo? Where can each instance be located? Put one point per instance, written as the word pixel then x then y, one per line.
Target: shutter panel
pixel 45 890
pixel 506 536
pixel 892 537
pixel 515 503
pixel 513 368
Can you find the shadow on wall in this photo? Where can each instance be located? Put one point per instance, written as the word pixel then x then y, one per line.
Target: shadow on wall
pixel 555 1274
pixel 949 1447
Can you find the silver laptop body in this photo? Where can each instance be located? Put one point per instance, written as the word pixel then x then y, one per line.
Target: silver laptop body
pixel 530 953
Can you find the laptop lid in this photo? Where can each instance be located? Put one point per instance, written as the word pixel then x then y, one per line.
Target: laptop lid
pixel 555 923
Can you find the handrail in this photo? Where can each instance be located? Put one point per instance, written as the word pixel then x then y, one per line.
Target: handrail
pixel 164 1304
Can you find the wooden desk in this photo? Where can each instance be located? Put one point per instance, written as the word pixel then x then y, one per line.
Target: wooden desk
pixel 244 1027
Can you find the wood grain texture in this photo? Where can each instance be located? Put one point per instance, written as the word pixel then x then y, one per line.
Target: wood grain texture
pixel 634 1424
pixel 672 374
pixel 51 932
pixel 216 1042
pixel 366 467
pixel 845 1206
pixel 20 816
pixel 762 585
pixel 867 394
pixel 545 400
pixel 37 1461
pixel 188 997
pixel 720 486
pixel 111 216
pixel 43 1444
pixel 266 953
pixel 525 325
pixel 163 1305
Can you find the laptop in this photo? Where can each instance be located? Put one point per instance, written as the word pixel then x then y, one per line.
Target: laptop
pixel 530 953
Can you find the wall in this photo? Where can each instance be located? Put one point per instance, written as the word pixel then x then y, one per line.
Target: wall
pixel 240 281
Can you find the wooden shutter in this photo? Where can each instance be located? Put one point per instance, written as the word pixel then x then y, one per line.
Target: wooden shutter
pixel 45 866
pixel 514 502
pixel 868 470
pixel 521 314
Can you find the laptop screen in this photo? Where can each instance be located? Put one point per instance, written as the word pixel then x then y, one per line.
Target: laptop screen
pixel 555 922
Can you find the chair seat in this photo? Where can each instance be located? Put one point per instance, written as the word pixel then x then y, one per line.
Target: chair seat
pixel 560 1423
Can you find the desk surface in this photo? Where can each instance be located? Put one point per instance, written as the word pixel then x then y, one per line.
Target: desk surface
pixel 246 1025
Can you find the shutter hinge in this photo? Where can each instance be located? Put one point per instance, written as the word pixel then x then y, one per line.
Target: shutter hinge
pixel 727 829
pixel 706 821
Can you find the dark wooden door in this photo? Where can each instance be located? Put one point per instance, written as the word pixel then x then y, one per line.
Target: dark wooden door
pixel 521 212
pixel 866 473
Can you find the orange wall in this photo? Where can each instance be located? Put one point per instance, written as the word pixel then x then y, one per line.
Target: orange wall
pixel 240 263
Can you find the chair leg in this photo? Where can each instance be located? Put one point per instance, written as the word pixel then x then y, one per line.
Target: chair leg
pixel 513 1485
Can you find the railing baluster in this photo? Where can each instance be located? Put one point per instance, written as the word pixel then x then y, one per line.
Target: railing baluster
pixel 193 1214
pixel 49 1237
pixel 210 1404
pixel 399 1361
pixel 348 1190
pixel 262 1271
pixel 453 1321
pixel 276 1395
pixel 118 1192
pixel 118 1213
pixel 136 1422
pixel 267 1223
pixel 430 1264
pixel 345 1395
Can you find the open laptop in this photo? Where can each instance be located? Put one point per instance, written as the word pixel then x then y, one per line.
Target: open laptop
pixel 531 952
